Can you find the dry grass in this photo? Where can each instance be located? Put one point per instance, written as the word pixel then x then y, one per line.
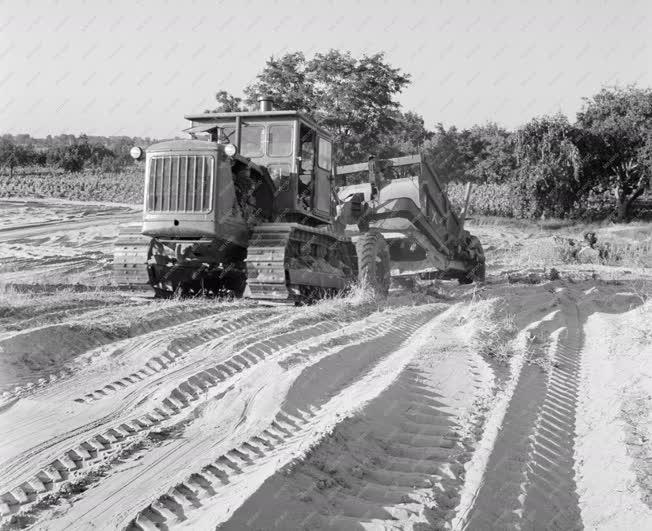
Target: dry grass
pixel 488 328
pixel 548 252
pixel 23 304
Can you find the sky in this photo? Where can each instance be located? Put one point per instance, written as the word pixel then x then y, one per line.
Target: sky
pixel 136 67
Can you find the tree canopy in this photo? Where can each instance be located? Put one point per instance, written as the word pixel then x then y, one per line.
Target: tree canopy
pixel 354 98
pixel 618 127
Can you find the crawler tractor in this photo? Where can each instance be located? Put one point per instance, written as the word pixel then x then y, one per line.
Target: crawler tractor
pixel 253 205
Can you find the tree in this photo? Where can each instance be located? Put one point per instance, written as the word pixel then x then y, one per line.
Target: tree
pixel 490 149
pixel 409 135
pixel 447 153
pixel 619 122
pixel 227 102
pixel 12 154
pixel 287 80
pixel 350 97
pixel 73 157
pixel 549 166
pixel 9 155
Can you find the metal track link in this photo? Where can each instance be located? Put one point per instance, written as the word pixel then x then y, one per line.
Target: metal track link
pixel 266 261
pixel 130 258
pixel 275 271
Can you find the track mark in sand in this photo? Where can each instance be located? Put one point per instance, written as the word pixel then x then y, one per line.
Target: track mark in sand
pixel 96 449
pixel 400 459
pixel 298 424
pixel 175 351
pixel 529 481
pixel 64 347
pixel 197 385
pixel 75 461
pixel 193 389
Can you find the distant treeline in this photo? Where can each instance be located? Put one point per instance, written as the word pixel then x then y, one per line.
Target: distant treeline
pixel 69 152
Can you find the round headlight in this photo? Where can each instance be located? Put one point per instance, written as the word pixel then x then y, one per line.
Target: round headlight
pixel 230 150
pixel 136 153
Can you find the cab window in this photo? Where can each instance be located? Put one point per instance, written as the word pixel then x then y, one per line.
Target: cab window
pixel 324 153
pixel 252 138
pixel 278 170
pixel 307 157
pixel 280 141
pixel 226 134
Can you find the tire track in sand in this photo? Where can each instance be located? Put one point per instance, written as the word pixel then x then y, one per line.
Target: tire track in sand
pixel 399 462
pixel 61 347
pixel 80 459
pixel 529 480
pixel 307 411
pixel 185 339
pixel 97 448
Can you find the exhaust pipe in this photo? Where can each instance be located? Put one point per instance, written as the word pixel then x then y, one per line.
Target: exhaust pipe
pixel 265 103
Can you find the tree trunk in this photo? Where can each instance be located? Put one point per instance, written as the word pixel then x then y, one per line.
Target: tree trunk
pixel 620 200
pixel 621 209
pixel 638 191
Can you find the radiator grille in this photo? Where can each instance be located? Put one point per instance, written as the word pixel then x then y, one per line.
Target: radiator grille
pixel 180 183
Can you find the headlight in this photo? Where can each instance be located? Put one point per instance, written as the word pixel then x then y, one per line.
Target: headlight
pixel 136 153
pixel 230 150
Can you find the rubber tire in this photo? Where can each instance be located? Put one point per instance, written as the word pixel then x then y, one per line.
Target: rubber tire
pixel 373 263
pixel 477 269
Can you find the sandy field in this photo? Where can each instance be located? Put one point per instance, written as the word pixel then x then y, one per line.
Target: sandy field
pixel 522 403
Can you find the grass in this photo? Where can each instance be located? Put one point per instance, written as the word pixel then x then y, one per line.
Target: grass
pixel 23 304
pixel 537 244
pixel 552 251
pixel 488 327
pixel 552 224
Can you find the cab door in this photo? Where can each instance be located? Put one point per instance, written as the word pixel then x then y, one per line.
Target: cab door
pixel 323 171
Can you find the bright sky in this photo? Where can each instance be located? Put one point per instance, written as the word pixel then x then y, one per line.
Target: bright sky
pixel 136 67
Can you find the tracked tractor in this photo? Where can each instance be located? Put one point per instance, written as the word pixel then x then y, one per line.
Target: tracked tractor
pixel 250 205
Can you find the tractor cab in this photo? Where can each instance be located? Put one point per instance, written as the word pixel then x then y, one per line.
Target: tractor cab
pixel 295 150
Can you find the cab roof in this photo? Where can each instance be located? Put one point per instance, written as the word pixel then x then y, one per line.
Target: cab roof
pixel 219 117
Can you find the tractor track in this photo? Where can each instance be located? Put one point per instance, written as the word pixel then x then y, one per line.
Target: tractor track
pixel 304 412
pixel 187 337
pixel 401 457
pixel 77 335
pixel 115 433
pixel 117 430
pixel 529 480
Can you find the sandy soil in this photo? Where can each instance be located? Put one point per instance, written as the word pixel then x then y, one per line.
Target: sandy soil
pixel 523 403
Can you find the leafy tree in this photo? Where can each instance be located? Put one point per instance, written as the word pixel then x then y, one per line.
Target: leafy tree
pixel 549 166
pixel 227 102
pixel 618 126
pixel 490 149
pixel 288 80
pixel 13 154
pixel 446 151
pixel 9 155
pixel 352 98
pixel 73 157
pixel 408 136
